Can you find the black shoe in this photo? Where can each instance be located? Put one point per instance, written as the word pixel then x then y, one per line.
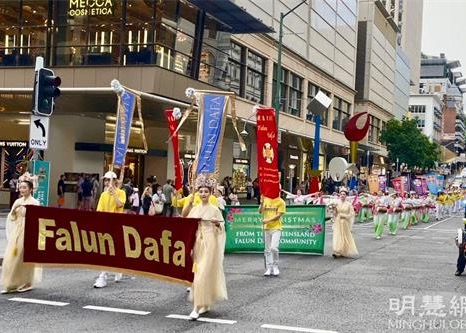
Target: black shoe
pixel 458 273
pixel 334 255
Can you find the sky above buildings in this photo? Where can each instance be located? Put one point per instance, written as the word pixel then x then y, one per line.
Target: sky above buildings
pixel 443 29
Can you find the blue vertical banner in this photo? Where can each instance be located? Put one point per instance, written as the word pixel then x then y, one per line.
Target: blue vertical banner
pixel 210 132
pixel 41 170
pixel 125 111
pixel 440 182
pixel 432 183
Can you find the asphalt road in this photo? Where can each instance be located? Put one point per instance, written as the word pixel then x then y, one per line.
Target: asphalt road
pixel 400 283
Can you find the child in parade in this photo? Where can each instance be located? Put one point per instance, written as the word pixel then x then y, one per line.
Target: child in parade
pixel 16 275
pixel 209 285
pixel 272 211
pixel 407 211
pixel 440 205
pixel 112 200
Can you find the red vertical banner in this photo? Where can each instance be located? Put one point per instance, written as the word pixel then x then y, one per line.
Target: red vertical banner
pixel 172 125
pixel 267 153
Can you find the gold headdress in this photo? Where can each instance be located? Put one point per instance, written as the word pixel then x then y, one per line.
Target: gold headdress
pixel 28 177
pixel 203 180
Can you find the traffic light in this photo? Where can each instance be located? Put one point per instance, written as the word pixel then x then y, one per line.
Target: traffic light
pixel 45 92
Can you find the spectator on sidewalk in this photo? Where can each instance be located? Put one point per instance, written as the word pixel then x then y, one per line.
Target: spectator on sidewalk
pixel 61 191
pixel 14 191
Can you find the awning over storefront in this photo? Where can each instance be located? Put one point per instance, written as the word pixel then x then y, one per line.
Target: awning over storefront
pixel 240 21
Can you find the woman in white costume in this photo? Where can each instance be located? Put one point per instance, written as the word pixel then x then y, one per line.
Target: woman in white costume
pixel 16 275
pixel 209 284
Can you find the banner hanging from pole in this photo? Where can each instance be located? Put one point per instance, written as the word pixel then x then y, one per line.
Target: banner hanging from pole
pixel 267 153
pixel 125 111
pixel 172 125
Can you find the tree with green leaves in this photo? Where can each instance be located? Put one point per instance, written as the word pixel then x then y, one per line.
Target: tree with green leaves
pixel 407 143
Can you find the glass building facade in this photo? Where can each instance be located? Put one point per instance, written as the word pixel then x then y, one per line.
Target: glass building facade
pixel 172 34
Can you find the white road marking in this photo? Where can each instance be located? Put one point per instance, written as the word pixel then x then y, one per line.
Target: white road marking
pixel 203 319
pixel 37 301
pixel 296 329
pixel 441 221
pixel 107 309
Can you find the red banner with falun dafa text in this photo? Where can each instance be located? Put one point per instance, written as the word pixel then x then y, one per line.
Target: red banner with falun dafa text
pixel 267 153
pixel 157 247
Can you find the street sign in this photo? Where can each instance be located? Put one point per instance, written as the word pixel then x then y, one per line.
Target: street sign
pixel 41 169
pixel 39 132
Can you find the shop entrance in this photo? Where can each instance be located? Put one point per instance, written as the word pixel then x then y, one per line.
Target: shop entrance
pixel 134 168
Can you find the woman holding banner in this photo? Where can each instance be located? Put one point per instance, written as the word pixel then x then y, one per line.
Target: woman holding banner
pixel 343 242
pixel 17 276
pixel 209 283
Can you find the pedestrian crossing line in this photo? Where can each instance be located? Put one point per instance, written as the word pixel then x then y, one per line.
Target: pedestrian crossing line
pixel 119 310
pixel 37 301
pixel 296 329
pixel 203 319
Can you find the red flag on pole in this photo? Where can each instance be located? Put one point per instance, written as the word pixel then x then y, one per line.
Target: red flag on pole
pixel 267 153
pixel 172 125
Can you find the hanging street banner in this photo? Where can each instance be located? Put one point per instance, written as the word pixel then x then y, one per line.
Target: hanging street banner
pixel 172 125
pixel 125 111
pixel 156 247
pixel 432 183
pixel 267 153
pixel 211 127
pixel 41 171
pixel 303 229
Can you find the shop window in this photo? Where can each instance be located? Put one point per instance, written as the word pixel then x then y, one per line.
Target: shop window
pixel 311 93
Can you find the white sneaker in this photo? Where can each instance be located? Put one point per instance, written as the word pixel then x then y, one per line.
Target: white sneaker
pixel 268 272
pixel 188 289
pixel 275 271
pixel 378 237
pixel 194 315
pixel 100 282
pixel 118 277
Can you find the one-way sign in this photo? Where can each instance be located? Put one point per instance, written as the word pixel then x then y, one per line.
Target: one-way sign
pixel 39 132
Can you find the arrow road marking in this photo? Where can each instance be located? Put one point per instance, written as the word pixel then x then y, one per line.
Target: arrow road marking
pixel 104 308
pixel 37 301
pixel 39 124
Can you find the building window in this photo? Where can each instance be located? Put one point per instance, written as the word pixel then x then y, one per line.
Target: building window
pixel 296 94
pixel 255 77
pixel 417 108
pixel 246 73
pixel 420 123
pixel 290 90
pixel 311 93
pixel 374 129
pixel 341 113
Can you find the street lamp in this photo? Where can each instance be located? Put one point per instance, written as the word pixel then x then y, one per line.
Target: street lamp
pixel 279 64
pixel 245 133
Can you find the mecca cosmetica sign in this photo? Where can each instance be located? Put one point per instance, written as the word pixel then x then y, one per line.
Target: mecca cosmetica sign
pixel 91 7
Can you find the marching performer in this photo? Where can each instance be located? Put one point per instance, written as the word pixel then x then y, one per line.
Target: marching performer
pixel 408 210
pixel 209 285
pixel 272 211
pixel 380 216
pixel 112 200
pixel 440 205
pixel 394 213
pixel 16 275
pixel 342 242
